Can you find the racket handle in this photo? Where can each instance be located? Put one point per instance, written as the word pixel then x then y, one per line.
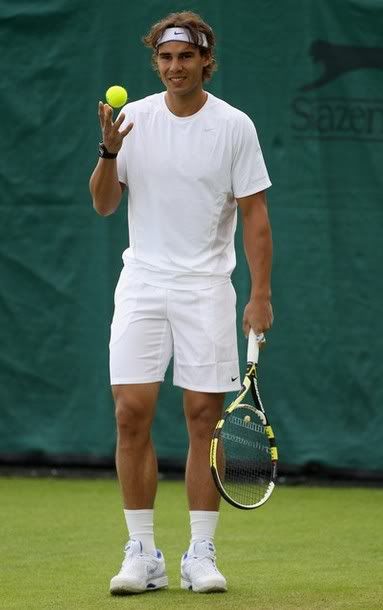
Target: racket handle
pixel 253 346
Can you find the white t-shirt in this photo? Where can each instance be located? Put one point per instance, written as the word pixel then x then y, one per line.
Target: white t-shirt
pixel 183 175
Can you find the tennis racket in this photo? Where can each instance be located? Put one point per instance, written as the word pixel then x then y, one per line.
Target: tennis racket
pixel 243 453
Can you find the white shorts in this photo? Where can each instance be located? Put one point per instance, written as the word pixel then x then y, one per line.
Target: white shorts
pixel 196 327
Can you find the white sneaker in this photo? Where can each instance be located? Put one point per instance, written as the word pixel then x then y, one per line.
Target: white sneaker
pixel 198 570
pixel 139 571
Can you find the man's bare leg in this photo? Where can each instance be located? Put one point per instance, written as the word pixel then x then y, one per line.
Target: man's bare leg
pixel 202 411
pixel 136 461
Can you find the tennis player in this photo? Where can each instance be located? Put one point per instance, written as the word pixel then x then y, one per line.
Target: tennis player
pixel 188 160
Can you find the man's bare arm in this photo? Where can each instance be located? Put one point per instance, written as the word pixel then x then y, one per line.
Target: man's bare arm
pixel 104 185
pixel 257 240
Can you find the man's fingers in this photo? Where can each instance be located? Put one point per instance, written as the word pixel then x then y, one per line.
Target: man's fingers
pixel 118 122
pixel 108 114
pixel 127 129
pixel 101 114
pixel 246 328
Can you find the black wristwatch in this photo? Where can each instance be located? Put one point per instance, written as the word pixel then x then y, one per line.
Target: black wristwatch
pixel 104 153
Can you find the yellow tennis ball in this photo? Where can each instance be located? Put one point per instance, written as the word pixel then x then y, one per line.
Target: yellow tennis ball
pixel 247 419
pixel 116 96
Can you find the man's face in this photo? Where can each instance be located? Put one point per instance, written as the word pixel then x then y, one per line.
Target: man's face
pixel 180 66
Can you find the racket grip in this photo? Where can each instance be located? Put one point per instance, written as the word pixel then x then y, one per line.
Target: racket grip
pixel 253 346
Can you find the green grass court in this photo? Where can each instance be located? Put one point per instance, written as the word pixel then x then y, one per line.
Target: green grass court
pixel 309 548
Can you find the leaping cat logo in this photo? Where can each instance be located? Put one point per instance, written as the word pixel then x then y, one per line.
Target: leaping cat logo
pixel 341 58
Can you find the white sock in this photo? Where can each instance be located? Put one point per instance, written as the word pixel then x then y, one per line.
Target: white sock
pixel 203 524
pixel 140 527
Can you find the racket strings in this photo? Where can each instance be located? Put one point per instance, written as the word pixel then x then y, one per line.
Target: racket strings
pixel 244 458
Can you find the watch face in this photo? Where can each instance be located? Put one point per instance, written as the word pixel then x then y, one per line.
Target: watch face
pixel 104 153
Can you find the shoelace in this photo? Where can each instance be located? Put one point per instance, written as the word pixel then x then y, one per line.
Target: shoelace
pixel 202 561
pixel 129 555
pixel 133 563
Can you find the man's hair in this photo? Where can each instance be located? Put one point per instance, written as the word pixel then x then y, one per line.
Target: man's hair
pixel 195 25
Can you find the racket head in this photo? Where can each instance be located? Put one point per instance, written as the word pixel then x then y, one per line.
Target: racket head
pixel 243 454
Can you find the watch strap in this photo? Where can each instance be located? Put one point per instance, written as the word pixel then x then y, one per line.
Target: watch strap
pixel 104 153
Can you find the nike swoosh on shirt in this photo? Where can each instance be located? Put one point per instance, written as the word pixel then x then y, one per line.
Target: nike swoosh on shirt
pixel 234 378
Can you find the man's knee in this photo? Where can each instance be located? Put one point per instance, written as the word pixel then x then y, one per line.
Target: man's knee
pixel 202 413
pixel 133 414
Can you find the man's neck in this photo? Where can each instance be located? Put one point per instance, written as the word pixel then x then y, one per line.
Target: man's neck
pixel 185 105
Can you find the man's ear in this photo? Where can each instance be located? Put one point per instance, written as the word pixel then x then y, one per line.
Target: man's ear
pixel 207 59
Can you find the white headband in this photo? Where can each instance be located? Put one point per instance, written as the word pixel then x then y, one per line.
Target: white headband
pixel 183 35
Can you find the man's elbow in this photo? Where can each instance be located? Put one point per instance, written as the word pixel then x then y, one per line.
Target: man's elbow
pixel 103 210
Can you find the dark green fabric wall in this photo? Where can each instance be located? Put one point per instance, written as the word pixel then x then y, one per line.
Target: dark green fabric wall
pixel 310 74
